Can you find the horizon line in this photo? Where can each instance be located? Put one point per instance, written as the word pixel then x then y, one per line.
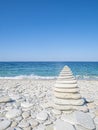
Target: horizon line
pixel 48 61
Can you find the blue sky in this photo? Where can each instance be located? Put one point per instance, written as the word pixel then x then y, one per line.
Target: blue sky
pixel 48 30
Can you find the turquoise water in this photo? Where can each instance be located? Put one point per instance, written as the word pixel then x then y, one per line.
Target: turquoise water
pixel 87 70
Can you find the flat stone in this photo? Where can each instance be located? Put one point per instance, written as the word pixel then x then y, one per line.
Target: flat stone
pixel 14 124
pixel 80 120
pixel 61 125
pixel 42 95
pixel 13 113
pixel 69 118
pixel 50 127
pixel 18 119
pixel 23 124
pixel 96 127
pixel 27 128
pixel 70 107
pixel 92 115
pixel 66 72
pixel 25 114
pixel 46 105
pixel 42 116
pixel 66 69
pixel 33 123
pixel 67 112
pixel 67 95
pixel 41 127
pixel 4 124
pixel 89 100
pixel 96 101
pixel 10 128
pixel 65 77
pixel 62 107
pixel 26 104
pixel 96 120
pixel 56 112
pixel 47 122
pixel 83 108
pixel 5 99
pixel 17 104
pixel 59 85
pixel 84 120
pixel 68 102
pixel 66 81
pixel 15 97
pixel 91 105
pixel 96 112
pixel 78 127
pixel 73 90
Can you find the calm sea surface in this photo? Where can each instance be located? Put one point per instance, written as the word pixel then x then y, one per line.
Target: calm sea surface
pixel 82 70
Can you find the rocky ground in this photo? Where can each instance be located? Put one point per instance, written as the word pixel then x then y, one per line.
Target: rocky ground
pixel 26 104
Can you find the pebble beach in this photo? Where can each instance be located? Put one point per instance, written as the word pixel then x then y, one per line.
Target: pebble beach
pixel 26 104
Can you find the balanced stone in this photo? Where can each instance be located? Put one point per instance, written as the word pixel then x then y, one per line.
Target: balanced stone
pixel 65 77
pixel 73 90
pixel 63 107
pixel 67 95
pixel 66 74
pixel 67 71
pixel 66 68
pixel 66 85
pixel 77 102
pixel 66 81
pixel 70 107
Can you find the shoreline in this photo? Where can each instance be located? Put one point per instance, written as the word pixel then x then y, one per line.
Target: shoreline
pixel 44 79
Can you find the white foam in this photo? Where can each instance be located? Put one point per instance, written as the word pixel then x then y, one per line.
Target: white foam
pixel 29 77
pixel 49 77
pixel 88 77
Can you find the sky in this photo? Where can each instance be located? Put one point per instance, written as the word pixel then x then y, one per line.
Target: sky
pixel 48 30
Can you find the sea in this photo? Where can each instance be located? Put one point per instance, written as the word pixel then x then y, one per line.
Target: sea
pixel 47 70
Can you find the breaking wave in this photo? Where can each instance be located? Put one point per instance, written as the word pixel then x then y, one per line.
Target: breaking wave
pixel 29 77
pixel 78 77
pixel 90 77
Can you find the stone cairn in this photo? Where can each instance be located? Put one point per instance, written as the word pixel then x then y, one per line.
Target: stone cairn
pixel 66 93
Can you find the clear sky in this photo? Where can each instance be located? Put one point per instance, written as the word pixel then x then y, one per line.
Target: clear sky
pixel 48 30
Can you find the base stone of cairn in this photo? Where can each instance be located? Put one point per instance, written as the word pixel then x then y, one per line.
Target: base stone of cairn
pixel 66 92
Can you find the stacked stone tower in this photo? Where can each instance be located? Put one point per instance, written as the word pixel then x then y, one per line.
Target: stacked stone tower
pixel 66 92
